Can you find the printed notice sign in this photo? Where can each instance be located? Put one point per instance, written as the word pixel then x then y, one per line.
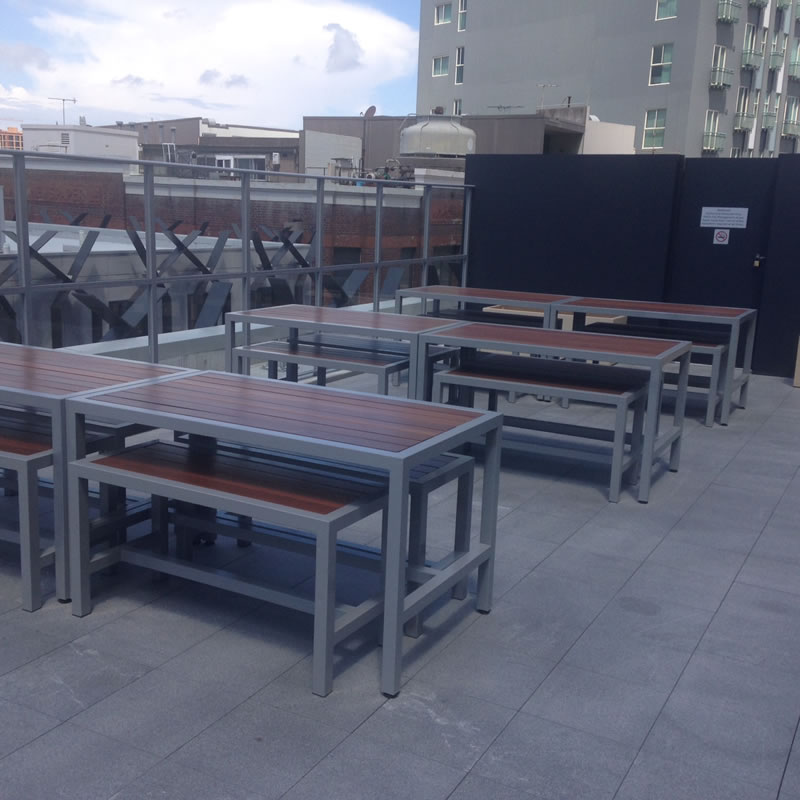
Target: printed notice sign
pixel 715 217
pixel 722 236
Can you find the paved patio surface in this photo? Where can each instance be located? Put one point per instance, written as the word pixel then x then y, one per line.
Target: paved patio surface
pixel 637 652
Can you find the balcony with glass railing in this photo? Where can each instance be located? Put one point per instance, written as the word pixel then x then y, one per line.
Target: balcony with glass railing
pixel 721 78
pixel 782 5
pixel 776 59
pixel 752 59
pixel 793 70
pixel 713 142
pixel 768 120
pixel 728 11
pixel 759 3
pixel 744 121
pixel 791 129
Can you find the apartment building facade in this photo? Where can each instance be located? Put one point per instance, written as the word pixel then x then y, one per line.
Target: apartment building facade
pixel 698 77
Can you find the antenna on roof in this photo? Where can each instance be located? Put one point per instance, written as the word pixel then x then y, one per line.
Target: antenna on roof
pixel 64 101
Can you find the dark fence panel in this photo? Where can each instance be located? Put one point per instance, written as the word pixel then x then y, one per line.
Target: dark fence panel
pixel 590 225
pixel 779 315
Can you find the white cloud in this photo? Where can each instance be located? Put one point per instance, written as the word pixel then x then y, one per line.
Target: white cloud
pixel 264 63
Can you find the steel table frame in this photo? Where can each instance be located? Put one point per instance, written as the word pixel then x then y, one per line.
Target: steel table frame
pixel 654 443
pixel 399 607
pixel 743 321
pixel 54 404
pixel 543 302
pixel 268 316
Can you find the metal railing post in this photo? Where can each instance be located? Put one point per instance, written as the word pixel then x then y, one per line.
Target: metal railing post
pixel 377 254
pixel 426 231
pixel 151 258
pixel 318 235
pixel 465 234
pixel 245 228
pixel 23 246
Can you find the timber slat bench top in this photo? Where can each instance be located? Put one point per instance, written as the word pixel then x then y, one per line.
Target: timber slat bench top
pixel 556 374
pixel 698 338
pixel 335 355
pixel 23 442
pixel 468 293
pixel 258 479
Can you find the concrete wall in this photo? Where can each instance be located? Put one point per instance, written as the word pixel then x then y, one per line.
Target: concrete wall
pixel 83 140
pixel 608 138
pixel 318 149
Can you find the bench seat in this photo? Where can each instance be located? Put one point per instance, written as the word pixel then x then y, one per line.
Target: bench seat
pixel 621 388
pixel 708 346
pixel 320 505
pixel 324 357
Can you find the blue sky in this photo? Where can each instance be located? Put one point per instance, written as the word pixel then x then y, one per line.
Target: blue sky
pixel 262 62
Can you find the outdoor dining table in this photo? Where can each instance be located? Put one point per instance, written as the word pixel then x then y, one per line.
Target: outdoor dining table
pixel 387 434
pixel 41 379
pixel 652 355
pixel 528 301
pixel 739 322
pixel 365 324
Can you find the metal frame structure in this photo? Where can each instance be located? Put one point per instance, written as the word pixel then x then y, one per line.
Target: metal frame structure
pixel 530 301
pixel 399 605
pixel 252 270
pixel 336 321
pixel 54 405
pixel 744 320
pixel 597 347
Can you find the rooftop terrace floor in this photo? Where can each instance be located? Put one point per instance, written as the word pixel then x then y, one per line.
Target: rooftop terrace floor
pixel 634 651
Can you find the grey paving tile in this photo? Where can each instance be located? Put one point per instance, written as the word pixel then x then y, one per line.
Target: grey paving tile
pixel 68 680
pixel 20 725
pixel 555 762
pixel 616 542
pixel 250 652
pixel 535 525
pixel 659 779
pixel 160 711
pixel 474 787
pixel 20 644
pixel 440 724
pixel 599 704
pixel 668 585
pixel 169 625
pixel 697 558
pixel 724 683
pixel 367 770
pixel 496 674
pixel 168 779
pixel 718 533
pixel 721 740
pixel 758 626
pixel 770 573
pixel 790 786
pixel 356 689
pixel 779 542
pixel 260 748
pixel 604 572
pixel 69 762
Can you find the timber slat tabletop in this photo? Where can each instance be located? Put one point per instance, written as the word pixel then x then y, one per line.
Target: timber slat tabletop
pixel 362 420
pixel 648 306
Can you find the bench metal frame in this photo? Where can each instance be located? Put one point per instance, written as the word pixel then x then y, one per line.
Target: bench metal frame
pixel 621 402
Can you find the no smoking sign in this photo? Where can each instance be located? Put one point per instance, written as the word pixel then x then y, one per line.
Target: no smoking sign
pixel 722 236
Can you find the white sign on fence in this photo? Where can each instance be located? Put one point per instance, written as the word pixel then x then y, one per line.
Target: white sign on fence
pixel 716 217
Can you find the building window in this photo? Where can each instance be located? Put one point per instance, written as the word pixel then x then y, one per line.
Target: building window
pixel 443 14
pixel 655 123
pixel 459 65
pixel 441 66
pixel 712 123
pixel 666 9
pixel 462 15
pixel 661 64
pixel 792 110
pixel 457 107
pixel 742 100
pixel 736 152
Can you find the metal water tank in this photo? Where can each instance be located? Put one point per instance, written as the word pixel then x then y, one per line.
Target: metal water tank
pixel 437 136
